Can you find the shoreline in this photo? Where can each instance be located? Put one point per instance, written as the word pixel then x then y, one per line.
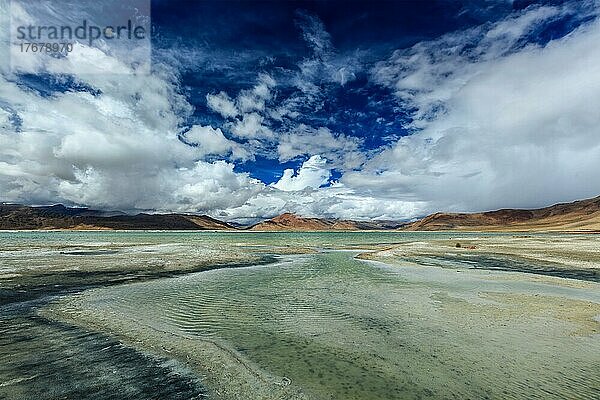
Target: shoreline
pixel 33 303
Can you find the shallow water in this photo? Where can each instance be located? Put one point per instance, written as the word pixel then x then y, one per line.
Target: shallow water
pixel 44 359
pixel 340 328
pixel 334 326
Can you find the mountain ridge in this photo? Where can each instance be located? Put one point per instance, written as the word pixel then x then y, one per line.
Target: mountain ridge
pixel 293 222
pixel 576 216
pixel 20 217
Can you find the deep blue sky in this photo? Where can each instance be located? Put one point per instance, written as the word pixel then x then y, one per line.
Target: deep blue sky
pixel 222 46
pixel 219 46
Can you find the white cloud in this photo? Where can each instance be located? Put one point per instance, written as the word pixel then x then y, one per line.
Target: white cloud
pixel 334 201
pixel 213 186
pixel 222 104
pixel 246 111
pixel 497 128
pixel 427 75
pixel 211 141
pixel 251 126
pixel 114 147
pixel 341 150
pixel 205 186
pixel 497 123
pixel 255 98
pixel 102 57
pixel 313 173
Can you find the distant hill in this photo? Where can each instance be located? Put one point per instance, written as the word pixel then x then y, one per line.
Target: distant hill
pixel 13 216
pixel 578 216
pixel 293 222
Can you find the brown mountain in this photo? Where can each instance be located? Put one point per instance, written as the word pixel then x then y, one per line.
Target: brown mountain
pixel 293 222
pixel 14 216
pixel 578 216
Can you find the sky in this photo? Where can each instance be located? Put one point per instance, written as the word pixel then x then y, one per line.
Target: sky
pixel 357 110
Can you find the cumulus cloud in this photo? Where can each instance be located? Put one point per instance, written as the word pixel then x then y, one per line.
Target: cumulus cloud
pixel 245 113
pixel 115 153
pixel 203 187
pixel 341 150
pixel 211 141
pixel 497 126
pixel 313 173
pixel 222 104
pixel 112 142
pixel 497 121
pixel 252 113
pixel 255 98
pixel 251 126
pixel 333 201
pixel 213 186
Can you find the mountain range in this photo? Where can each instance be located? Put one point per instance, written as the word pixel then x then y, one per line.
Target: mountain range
pixel 578 216
pixel 293 222
pixel 14 216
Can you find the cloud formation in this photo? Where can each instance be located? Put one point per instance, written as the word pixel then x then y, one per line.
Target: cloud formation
pixel 495 117
pixel 312 174
pixel 343 151
pixel 112 141
pixel 222 104
pixel 496 126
